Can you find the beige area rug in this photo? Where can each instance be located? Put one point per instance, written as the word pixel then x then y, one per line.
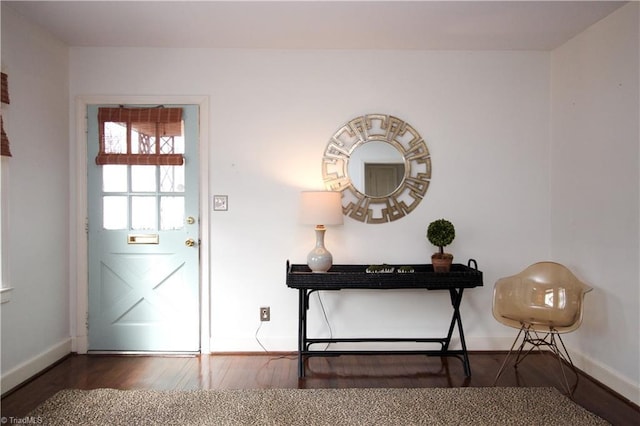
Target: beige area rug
pixel 429 406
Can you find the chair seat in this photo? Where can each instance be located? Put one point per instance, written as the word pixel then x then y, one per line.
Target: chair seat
pixel 539 324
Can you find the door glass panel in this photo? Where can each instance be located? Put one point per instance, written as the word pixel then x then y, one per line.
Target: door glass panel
pixel 115 138
pixel 114 212
pixel 172 178
pixel 143 197
pixel 171 213
pixel 143 213
pixel 143 133
pixel 114 178
pixel 143 178
pixel 172 144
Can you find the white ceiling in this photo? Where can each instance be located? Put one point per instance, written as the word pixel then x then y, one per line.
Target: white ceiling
pixel 468 25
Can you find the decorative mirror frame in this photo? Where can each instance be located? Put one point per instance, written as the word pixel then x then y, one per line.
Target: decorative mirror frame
pixel 417 170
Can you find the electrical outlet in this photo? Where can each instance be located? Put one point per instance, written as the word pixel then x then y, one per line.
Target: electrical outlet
pixel 265 313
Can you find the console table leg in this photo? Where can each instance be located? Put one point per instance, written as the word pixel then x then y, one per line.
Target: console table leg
pixel 467 364
pixel 302 329
pixel 456 300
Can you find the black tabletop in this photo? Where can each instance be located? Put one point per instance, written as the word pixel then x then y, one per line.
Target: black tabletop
pixel 390 277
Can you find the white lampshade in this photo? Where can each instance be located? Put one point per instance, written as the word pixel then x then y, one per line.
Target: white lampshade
pixel 321 208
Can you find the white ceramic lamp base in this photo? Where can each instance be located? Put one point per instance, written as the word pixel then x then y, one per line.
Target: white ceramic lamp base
pixel 319 259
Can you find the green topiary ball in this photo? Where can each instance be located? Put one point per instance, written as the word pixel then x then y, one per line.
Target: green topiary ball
pixel 441 233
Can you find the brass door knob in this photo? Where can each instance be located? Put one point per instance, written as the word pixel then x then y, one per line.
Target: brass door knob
pixel 190 242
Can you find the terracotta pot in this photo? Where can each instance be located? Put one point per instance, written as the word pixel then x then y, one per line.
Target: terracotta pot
pixel 441 262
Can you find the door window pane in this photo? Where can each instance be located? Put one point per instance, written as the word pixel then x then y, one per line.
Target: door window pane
pixel 114 178
pixel 114 212
pixel 172 178
pixel 143 178
pixel 171 213
pixel 172 144
pixel 115 138
pixel 143 133
pixel 143 213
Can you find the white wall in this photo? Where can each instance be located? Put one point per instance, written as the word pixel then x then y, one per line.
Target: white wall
pixel 485 118
pixel 35 322
pixel 595 190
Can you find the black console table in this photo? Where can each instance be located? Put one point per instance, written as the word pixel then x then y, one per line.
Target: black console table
pixel 342 277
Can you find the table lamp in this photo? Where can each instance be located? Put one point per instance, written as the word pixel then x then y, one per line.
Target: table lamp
pixel 320 208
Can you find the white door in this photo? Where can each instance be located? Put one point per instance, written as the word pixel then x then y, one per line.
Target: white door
pixel 143 235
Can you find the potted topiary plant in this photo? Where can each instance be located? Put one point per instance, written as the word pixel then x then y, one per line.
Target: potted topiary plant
pixel 441 233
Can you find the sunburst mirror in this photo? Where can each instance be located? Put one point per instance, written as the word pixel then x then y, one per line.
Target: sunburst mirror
pixel 382 166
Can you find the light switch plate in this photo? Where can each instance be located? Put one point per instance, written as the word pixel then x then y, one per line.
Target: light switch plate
pixel 220 203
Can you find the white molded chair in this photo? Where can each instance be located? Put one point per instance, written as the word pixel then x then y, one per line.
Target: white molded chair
pixel 543 302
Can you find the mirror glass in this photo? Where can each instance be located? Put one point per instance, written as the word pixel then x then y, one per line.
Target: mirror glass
pixel 376 168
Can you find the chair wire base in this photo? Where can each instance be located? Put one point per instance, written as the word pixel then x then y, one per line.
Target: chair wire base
pixel 538 340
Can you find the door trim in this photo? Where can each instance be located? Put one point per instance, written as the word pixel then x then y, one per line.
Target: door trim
pixel 79 268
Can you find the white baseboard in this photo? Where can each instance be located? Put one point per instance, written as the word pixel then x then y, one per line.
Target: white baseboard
pixel 35 365
pixel 79 344
pixel 223 344
pixel 607 376
pixel 588 365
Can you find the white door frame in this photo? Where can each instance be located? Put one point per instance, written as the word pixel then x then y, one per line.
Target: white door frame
pixel 79 292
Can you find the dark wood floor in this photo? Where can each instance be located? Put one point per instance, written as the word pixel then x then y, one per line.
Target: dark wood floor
pixel 280 371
